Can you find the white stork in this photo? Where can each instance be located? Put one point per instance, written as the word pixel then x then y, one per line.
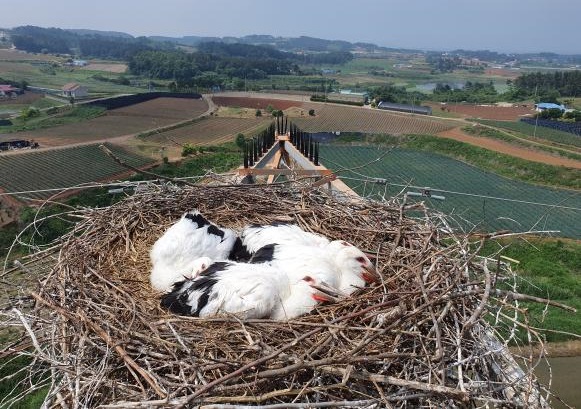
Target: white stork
pixel 174 254
pixel 339 264
pixel 255 236
pixel 247 290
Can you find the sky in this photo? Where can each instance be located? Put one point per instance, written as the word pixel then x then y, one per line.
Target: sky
pixel 496 25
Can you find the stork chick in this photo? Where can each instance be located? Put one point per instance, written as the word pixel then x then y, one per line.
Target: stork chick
pixel 247 290
pixel 192 237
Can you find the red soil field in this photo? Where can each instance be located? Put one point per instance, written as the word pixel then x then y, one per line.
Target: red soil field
pixel 508 149
pixel 501 72
pixel 257 103
pixel 486 111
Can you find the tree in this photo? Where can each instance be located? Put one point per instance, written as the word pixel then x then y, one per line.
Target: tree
pixel 311 112
pixel 188 149
pixel 258 112
pixel 240 140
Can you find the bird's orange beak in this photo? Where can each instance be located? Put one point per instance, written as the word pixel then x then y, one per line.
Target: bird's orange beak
pixel 325 293
pixel 370 274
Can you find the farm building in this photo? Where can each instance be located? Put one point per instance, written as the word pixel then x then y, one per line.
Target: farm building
pixel 17 144
pixel 414 109
pixel 543 106
pixel 9 91
pixel 72 89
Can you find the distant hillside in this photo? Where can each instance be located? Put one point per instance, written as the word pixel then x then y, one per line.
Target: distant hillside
pixel 88 43
pixel 83 31
pixel 292 44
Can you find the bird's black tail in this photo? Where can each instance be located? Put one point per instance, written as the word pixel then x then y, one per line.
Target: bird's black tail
pixel 177 300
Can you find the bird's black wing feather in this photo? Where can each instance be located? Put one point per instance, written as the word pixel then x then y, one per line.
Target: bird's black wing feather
pixel 200 220
pixel 177 300
pixel 263 254
pixel 239 251
pixel 216 231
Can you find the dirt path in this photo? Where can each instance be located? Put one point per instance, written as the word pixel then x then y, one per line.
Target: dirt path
pixel 508 149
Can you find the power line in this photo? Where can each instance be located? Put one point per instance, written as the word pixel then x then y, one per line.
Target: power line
pixel 386 182
pixel 91 185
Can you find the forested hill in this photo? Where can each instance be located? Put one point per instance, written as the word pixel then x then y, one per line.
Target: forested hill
pixel 59 41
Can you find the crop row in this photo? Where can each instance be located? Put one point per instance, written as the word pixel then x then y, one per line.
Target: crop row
pixel 123 121
pixel 210 131
pixel 402 167
pixel 570 127
pixel 67 167
pixel 347 119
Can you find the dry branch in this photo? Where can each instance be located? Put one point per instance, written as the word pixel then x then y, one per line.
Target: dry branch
pixel 419 339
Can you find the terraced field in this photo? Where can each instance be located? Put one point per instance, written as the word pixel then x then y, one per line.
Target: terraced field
pixel 117 122
pixel 58 168
pixel 513 210
pixel 332 118
pixel 210 131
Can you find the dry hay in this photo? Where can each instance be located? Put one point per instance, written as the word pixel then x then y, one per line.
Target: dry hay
pixel 422 339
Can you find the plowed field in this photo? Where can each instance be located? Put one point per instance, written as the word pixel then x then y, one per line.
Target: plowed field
pixel 123 121
pixel 332 118
pixel 210 131
pixel 257 103
pixel 486 111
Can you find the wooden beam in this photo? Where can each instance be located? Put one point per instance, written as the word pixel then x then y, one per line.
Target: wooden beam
pixel 276 172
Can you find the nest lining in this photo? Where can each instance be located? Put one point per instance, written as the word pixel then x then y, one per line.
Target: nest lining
pixel 421 339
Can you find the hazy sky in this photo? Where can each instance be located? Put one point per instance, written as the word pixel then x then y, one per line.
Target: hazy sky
pixel 497 25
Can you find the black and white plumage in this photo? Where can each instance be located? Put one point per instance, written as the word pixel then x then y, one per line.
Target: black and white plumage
pixel 339 264
pixel 174 254
pixel 247 290
pixel 255 237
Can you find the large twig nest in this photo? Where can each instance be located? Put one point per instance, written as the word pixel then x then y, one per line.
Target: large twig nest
pixel 423 338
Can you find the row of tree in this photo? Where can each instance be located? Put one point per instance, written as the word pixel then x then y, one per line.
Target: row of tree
pixel 566 83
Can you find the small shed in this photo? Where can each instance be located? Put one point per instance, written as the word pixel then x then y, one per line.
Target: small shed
pixel 72 89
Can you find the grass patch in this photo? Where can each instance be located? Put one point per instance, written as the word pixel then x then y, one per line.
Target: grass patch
pixel 504 136
pixel 527 130
pixel 215 158
pixel 551 269
pixel 14 375
pixel 498 163
pixel 46 120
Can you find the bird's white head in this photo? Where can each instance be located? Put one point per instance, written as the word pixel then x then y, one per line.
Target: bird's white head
pixel 354 266
pixel 198 265
pixel 304 295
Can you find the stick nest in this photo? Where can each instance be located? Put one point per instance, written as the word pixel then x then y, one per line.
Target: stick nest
pixel 432 335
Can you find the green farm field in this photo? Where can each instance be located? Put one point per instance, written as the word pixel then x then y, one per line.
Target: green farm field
pixel 541 132
pixel 508 203
pixel 59 168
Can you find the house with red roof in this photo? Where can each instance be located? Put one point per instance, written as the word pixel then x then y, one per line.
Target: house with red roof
pixel 72 89
pixel 7 90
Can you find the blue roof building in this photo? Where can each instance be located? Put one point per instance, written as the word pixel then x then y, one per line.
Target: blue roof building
pixel 541 106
